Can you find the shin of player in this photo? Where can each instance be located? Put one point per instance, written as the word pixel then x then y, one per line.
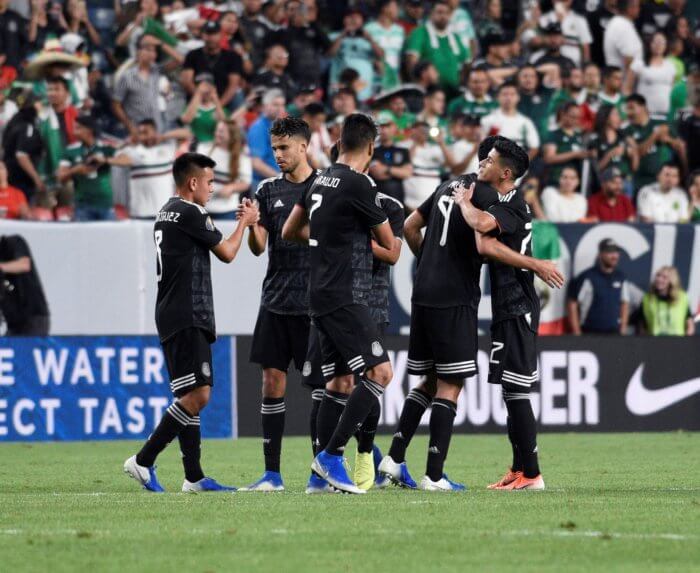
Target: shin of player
pixel 515 304
pixel 282 327
pixel 338 217
pixel 184 235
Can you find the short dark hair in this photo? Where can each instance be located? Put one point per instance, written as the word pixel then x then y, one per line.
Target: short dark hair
pixel 357 132
pixel 314 108
pixel 150 122
pixel 333 156
pixel 348 75
pixel 291 127
pixel 639 99
pixel 610 70
pixel 670 164
pixel 188 164
pixel 432 90
pixel 58 80
pixel 88 122
pixel 487 145
pixel 692 177
pixel 508 84
pixel 513 156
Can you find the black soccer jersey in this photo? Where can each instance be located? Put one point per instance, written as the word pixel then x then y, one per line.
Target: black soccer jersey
pixel 447 272
pixel 184 233
pixel 512 290
pixel 286 284
pixel 342 207
pixel 381 271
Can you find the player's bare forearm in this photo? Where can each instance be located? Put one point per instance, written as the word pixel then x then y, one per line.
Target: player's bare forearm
pixel 17 267
pixel 384 235
pixel 412 231
pixel 257 239
pixel 390 256
pixel 296 227
pixel 493 249
pixel 227 249
pixel 476 218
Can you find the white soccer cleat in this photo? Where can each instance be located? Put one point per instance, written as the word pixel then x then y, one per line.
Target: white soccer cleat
pixel 397 473
pixel 443 484
pixel 145 476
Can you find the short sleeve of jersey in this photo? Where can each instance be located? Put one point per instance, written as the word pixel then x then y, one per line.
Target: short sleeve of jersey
pixel 18 247
pixel 427 206
pixel 261 197
pixel 396 219
pixel 200 227
pixel 364 200
pixel 506 218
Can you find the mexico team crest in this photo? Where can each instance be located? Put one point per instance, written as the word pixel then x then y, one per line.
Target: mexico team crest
pixel 377 349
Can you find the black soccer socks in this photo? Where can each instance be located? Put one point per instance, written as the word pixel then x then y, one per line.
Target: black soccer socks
pixel 272 414
pixel 191 449
pixel 517 465
pixel 175 419
pixel 414 407
pixel 365 435
pixel 329 413
pixel 316 398
pixel 442 420
pixel 360 403
pixel 524 431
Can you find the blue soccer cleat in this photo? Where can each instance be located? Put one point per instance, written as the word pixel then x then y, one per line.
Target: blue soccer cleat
pixel 145 476
pixel 270 481
pixel 317 484
pixel 332 468
pixel 443 484
pixel 205 484
pixel 380 481
pixel 397 473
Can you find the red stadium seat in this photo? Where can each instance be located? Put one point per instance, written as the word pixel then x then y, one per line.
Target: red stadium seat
pixel 121 212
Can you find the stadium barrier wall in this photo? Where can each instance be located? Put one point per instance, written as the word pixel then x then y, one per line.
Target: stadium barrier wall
pixel 99 278
pixel 587 384
pixel 100 388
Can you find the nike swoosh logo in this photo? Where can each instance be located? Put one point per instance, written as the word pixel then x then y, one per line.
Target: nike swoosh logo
pixel 641 401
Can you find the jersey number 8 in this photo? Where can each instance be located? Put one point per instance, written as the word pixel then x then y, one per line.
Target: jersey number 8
pixel 158 236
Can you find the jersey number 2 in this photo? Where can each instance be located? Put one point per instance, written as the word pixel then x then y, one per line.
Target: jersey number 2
pixel 158 236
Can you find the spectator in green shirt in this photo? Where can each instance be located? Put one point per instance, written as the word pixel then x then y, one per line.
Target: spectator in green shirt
pixel 657 141
pixel 534 99
pixel 612 148
pixel 87 164
pixel 475 99
pixel 564 146
pixel 204 110
pixel 694 192
pixel 611 94
pixel 434 42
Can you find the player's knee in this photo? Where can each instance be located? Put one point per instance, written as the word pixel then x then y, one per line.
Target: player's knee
pixel 449 389
pixel 381 374
pixel 195 401
pixel 342 384
pixel 429 385
pixel 274 383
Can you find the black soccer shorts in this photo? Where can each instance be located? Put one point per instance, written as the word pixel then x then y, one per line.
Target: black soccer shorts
pixel 188 358
pixel 513 360
pixel 350 341
pixel 444 340
pixel 279 339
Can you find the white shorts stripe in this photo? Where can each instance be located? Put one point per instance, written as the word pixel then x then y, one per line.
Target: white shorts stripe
pixel 525 384
pixel 520 376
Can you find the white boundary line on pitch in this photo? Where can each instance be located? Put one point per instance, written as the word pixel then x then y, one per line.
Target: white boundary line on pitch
pixel 600 534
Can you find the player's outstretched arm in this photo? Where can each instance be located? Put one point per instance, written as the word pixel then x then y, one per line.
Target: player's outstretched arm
pixel 257 239
pixel 493 249
pixel 412 231
pixel 296 227
pixel 227 249
pixel 476 218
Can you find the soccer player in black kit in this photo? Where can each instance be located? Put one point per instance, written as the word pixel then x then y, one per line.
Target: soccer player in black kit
pixel 515 304
pixel 184 234
pixel 282 328
pixel 444 333
pixel 339 216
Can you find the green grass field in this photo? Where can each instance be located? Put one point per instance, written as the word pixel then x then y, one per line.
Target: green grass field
pixel 615 502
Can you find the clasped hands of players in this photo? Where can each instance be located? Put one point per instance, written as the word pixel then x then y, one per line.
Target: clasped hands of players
pixel 248 212
pixel 545 270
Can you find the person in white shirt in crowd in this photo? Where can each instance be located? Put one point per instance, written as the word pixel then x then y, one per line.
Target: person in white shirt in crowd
pixel 654 77
pixel 428 160
pixel 433 111
pixel 150 163
pixel 320 144
pixel 461 23
pixel 564 204
pixel 622 44
pixel 577 34
pixel 509 122
pixel 465 131
pixel 664 201
pixel 390 37
pixel 233 172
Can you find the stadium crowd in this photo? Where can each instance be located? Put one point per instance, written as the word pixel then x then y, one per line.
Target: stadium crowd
pixel 98 98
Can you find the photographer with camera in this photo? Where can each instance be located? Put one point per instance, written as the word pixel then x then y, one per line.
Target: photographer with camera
pixel 87 164
pixel 22 301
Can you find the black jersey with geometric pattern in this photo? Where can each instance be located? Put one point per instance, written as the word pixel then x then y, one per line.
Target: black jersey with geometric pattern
pixel 449 265
pixel 286 285
pixel 381 271
pixel 184 234
pixel 512 290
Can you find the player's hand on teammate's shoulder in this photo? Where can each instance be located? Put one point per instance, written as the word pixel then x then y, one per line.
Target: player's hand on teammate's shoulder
pixel 550 274
pixel 248 212
pixel 462 194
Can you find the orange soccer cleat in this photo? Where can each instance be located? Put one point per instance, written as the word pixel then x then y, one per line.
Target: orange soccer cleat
pixel 509 477
pixel 536 483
